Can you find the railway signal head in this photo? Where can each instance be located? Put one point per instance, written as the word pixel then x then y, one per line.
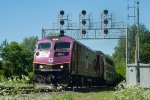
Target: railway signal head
pixel 105 21
pixel 83 12
pixel 105 12
pixel 62 32
pixel 83 32
pixel 62 12
pixel 106 31
pixel 62 22
pixel 105 18
pixel 83 22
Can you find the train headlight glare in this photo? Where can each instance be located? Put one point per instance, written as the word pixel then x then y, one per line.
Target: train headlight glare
pixel 61 66
pixel 55 39
pixel 41 66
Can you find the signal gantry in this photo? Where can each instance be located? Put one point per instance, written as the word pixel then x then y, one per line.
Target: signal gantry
pixel 106 28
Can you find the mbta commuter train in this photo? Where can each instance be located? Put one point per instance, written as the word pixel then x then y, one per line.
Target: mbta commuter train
pixel 63 60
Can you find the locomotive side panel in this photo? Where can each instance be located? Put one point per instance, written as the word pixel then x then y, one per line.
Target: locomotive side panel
pixel 83 61
pixel 74 60
pixel 100 66
pixel 92 63
pixel 80 60
pixel 109 70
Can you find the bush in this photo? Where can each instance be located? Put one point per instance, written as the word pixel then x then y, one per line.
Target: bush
pixel 131 92
pixel 120 70
pixel 15 82
pixel 31 76
pixel 2 77
pixel 1 72
pixel 119 78
pixel 0 64
pixel 17 60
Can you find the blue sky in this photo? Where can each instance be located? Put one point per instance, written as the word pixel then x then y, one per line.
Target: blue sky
pixel 24 18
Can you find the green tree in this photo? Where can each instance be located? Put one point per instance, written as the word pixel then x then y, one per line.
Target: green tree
pixel 1 66
pixel 29 42
pixel 119 60
pixel 120 57
pixel 145 47
pixel 16 60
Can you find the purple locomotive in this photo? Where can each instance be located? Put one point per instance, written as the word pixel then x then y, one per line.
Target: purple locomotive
pixel 63 60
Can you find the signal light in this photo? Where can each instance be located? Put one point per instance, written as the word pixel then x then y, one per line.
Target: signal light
pixel 105 11
pixel 83 12
pixel 84 22
pixel 105 21
pixel 105 31
pixel 83 32
pixel 62 12
pixel 62 32
pixel 62 22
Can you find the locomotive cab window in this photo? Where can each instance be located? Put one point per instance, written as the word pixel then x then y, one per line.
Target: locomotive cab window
pixel 45 45
pixel 62 45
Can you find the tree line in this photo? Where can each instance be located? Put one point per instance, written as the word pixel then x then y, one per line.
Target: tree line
pixel 119 55
pixel 18 57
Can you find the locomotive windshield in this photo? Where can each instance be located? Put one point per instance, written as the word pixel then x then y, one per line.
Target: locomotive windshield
pixel 45 45
pixel 62 45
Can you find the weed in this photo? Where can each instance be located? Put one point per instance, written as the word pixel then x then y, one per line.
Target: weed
pixel 131 92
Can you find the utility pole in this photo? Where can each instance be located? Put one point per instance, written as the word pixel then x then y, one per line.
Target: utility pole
pixel 137 57
pixel 136 64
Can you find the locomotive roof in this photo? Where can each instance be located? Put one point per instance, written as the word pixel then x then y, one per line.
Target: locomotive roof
pixel 100 52
pixel 51 37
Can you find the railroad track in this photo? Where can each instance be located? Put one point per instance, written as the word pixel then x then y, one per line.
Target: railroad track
pixel 15 90
pixel 29 89
pixel 47 88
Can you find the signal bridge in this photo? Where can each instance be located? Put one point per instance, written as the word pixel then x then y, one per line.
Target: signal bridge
pixel 107 28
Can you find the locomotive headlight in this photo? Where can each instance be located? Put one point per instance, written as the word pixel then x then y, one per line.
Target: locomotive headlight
pixel 41 66
pixel 61 66
pixel 55 39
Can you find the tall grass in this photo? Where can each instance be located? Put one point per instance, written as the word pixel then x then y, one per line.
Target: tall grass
pixel 11 89
pixel 122 92
pixel 131 92
pixel 15 81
